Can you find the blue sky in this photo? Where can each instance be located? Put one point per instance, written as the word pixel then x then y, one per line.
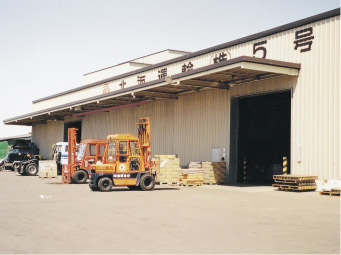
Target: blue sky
pixel 47 45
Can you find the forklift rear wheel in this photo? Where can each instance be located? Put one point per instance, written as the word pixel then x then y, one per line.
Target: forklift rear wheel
pixel 31 169
pixel 105 184
pixel 147 182
pixel 80 177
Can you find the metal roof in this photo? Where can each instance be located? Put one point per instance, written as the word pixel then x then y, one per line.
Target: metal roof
pixel 16 137
pixel 223 75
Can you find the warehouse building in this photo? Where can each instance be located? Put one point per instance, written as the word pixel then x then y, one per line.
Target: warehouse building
pixel 257 99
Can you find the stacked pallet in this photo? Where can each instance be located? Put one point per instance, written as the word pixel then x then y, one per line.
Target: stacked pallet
pixel 295 182
pixel 193 176
pixel 332 192
pixel 167 169
pixel 330 187
pixel 214 172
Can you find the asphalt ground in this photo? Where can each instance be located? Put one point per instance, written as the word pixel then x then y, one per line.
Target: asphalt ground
pixel 38 217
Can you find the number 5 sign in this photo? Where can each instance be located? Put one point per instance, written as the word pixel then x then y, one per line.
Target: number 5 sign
pixel 257 47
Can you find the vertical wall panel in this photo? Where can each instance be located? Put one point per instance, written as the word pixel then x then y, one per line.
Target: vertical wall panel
pixel 45 135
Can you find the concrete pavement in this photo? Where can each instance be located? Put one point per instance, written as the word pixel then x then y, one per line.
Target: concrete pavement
pixel 39 217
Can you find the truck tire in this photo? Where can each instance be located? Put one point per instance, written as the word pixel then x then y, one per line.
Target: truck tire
pixel 80 176
pixel 31 169
pixel 105 184
pixel 147 182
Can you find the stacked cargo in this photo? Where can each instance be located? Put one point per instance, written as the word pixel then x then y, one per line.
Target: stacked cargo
pixel 295 182
pixel 47 169
pixel 209 176
pixel 167 169
pixel 195 166
pixel 219 169
pixel 214 172
pixel 193 176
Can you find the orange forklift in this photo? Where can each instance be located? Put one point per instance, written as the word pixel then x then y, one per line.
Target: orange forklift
pixel 89 152
pixel 127 162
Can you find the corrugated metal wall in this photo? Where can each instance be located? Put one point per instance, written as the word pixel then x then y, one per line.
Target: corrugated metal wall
pixel 188 127
pixel 45 135
pixel 201 123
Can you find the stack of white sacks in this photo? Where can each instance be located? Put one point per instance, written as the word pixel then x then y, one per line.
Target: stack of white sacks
pixel 327 185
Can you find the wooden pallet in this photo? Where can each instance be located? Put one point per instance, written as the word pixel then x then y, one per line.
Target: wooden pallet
pixel 299 178
pixel 296 183
pixel 294 188
pixel 190 185
pixel 167 183
pixel 329 193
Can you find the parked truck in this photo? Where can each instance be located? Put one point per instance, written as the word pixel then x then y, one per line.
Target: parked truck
pixel 30 166
pixel 60 155
pixel 127 162
pixel 15 158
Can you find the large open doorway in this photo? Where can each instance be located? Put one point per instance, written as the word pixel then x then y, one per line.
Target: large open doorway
pixel 263 136
pixel 76 124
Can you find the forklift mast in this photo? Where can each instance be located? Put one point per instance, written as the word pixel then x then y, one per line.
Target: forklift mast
pixel 144 140
pixel 71 167
pixel 72 146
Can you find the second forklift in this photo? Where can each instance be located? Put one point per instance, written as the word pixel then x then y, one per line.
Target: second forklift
pixel 128 162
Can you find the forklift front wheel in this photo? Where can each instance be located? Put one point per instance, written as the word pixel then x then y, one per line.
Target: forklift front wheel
pixel 105 184
pixel 80 177
pixel 147 182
